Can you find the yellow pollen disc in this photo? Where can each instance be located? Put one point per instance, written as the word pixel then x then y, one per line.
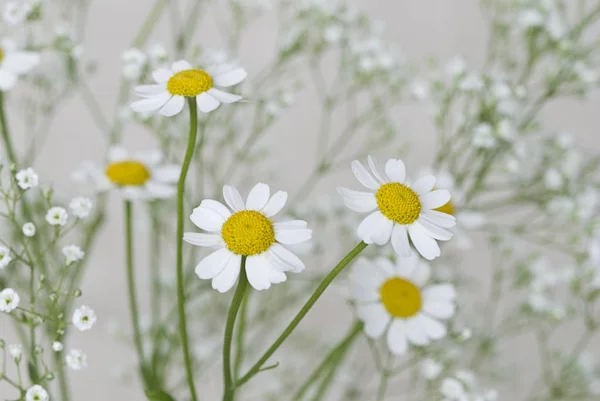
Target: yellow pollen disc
pixel 127 172
pixel 448 208
pixel 398 202
pixel 400 297
pixel 1 54
pixel 189 83
pixel 248 233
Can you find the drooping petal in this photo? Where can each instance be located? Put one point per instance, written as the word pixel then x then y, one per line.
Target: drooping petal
pixel 435 231
pixel 395 170
pixel 443 220
pixel 149 90
pixel 375 229
pixel 435 329
pixel 207 103
pixel 427 246
pixel 230 78
pixel 180 65
pixel 213 264
pixel 376 169
pixel 258 197
pixel 400 240
pixel 257 270
pixel 358 201
pixel 276 276
pixel 151 103
pixel 233 198
pixel 227 278
pixel 424 185
pixel 224 97
pixel 440 310
pixel 201 239
pixel 396 337
pixel 284 259
pixel 173 106
pixel 275 204
pixel 435 199
pixel 363 176
pixel 375 318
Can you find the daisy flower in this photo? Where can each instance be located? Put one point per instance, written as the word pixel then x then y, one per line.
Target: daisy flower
pixel 14 63
pixel 138 175
pixel 184 81
pixel 399 210
pixel 248 232
pixel 397 298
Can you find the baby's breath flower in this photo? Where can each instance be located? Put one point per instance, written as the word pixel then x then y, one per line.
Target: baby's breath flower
pixel 483 136
pixel 5 257
pixel 15 351
pixel 57 216
pixel 29 229
pixel 76 359
pixel 72 253
pixel 57 346
pixel 453 389
pixel 81 207
pixel 27 178
pixel 431 369
pixel 84 318
pixel 9 300
pixel 36 393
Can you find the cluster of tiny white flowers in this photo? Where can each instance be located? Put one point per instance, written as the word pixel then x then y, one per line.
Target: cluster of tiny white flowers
pixel 136 62
pixel 81 207
pixel 72 254
pixel 27 178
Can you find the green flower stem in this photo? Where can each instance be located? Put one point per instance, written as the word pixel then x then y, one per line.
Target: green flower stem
pixel 239 339
pixel 307 307
pixel 133 304
pixel 180 279
pixel 236 303
pixel 10 150
pixel 333 358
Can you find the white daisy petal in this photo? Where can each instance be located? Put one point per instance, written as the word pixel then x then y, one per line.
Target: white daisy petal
pixel 364 294
pixel 228 276
pixel 275 204
pixel 233 198
pixel 385 266
pixel 258 197
pixel 427 246
pixel 224 97
pixel 149 90
pixel 363 176
pixel 257 270
pixel 149 158
pixel 358 201
pixel 376 169
pixel 207 103
pixel 134 193
pixel 117 153
pixel 213 264
pixel 405 266
pixel 415 332
pixel 173 106
pixel 151 103
pixel 207 219
pixel 168 173
pixel 362 273
pixel 435 329
pixel 424 185
pixel 217 207
pixel 20 62
pixel 375 229
pixel 440 310
pixel 159 190
pixel 443 220
pixel 400 240
pixel 396 337
pixel 290 237
pixel 7 79
pixel 434 231
pixel 230 78
pixel 162 75
pixel 276 276
pixel 435 199
pixel 284 259
pixel 395 170
pixel 440 293
pixel 290 225
pixel 201 239
pixel 375 317
pixel 420 274
pixel 181 65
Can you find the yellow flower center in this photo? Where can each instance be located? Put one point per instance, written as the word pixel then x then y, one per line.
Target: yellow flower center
pixel 1 54
pixel 398 202
pixel 248 233
pixel 128 172
pixel 189 83
pixel 448 208
pixel 400 297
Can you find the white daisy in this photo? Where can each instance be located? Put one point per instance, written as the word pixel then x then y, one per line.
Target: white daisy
pixel 27 178
pixel 139 175
pixel 182 81
pixel 398 209
pixel 395 298
pixel 36 393
pixel 84 318
pixel 249 232
pixel 9 300
pixel 76 359
pixel 14 63
pixel 5 257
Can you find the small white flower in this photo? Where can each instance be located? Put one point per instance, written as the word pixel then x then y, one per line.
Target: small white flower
pixel 81 207
pixel 471 83
pixel 530 18
pixel 431 369
pixel 133 63
pixel 84 318
pixel 57 346
pixel 76 359
pixel 553 179
pixel 333 33
pixel 183 81
pixel 506 130
pixel 15 351
pixel 455 66
pixel 72 253
pixel 27 178
pixel 453 389
pixel 57 216
pixel 9 300
pixel 483 136
pixel 36 393
pixel 29 229
pixel 15 13
pixel 419 90
pixel 5 257
pixel 14 63
pixel 158 53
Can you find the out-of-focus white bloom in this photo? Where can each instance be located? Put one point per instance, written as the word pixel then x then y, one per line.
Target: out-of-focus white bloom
pixel 57 216
pixel 76 359
pixel 72 254
pixel 15 351
pixel 14 63
pixel 501 90
pixel 584 73
pixel 455 66
pixel 27 178
pixel 419 90
pixel 134 61
pixel 453 389
pixel 36 393
pixel 84 318
pixel 483 136
pixel 333 33
pixel 555 26
pixel 471 83
pixel 81 207
pixel 157 53
pixel 57 346
pixel 506 130
pixel 553 179
pixel 5 257
pixel 16 12
pixel 9 300
pixel 530 18
pixel 29 229
pixel 431 369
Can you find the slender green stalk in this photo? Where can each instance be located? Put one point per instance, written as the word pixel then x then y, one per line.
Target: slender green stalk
pixel 239 339
pixel 180 279
pixel 236 303
pixel 307 307
pixel 10 150
pixel 131 287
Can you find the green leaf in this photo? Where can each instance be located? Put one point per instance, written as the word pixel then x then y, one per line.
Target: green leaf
pixel 158 395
